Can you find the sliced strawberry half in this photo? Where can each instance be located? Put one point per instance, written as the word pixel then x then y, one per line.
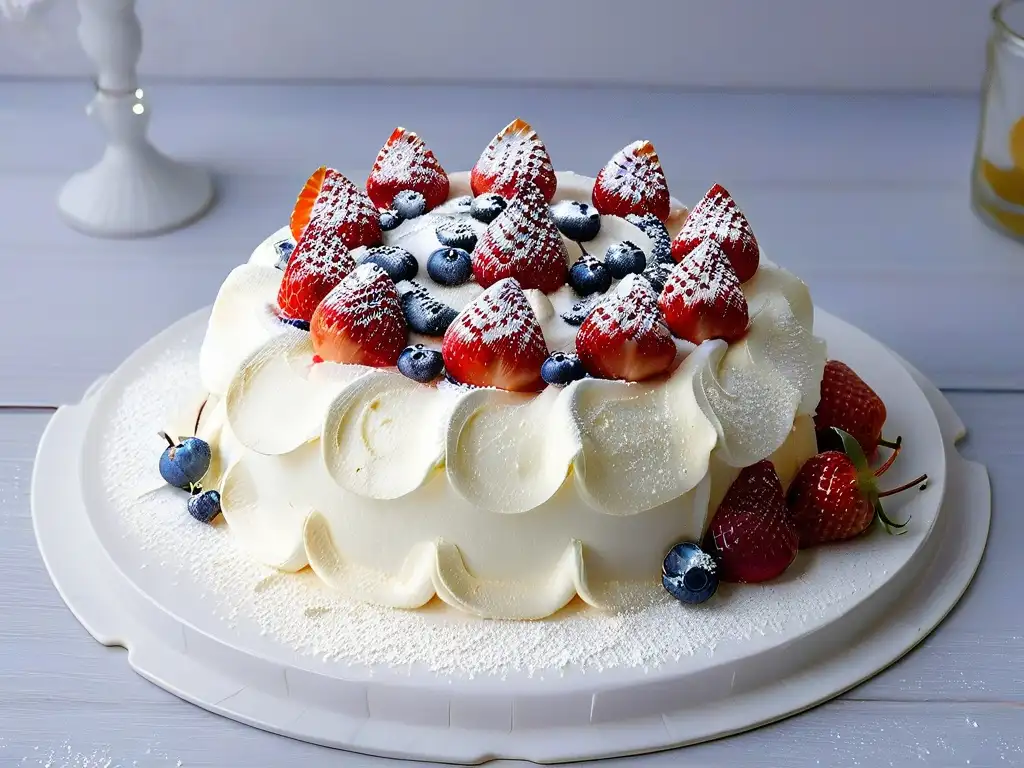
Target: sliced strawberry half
pixel 753 534
pixel 515 155
pixel 702 298
pixel 524 243
pixel 717 217
pixel 624 336
pixel 496 341
pixel 405 162
pixel 329 197
pixel 360 321
pixel 633 182
pixel 319 262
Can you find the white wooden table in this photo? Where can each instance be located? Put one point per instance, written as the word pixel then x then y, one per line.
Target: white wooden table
pixel 865 197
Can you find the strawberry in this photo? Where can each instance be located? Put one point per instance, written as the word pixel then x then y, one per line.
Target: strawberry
pixel 702 298
pixel 717 217
pixel 338 204
pixel 752 535
pixel 318 262
pixel 624 336
pixel 633 182
pixel 515 155
pixel 496 341
pixel 405 162
pixel 835 495
pixel 848 403
pixel 524 243
pixel 360 321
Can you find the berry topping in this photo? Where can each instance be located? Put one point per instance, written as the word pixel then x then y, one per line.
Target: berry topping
pixel 389 220
pixel 752 535
pixel 450 266
pixel 703 299
pixel 302 325
pixel 183 464
pixel 515 155
pixel 487 206
pixel 522 243
pixel 204 506
pixel 496 341
pixel 360 321
pixel 405 163
pixel 420 364
pixel 652 226
pixel 625 258
pixel 633 182
pixel 424 314
pixel 835 495
pixel 410 204
pixel 588 275
pixel 319 262
pixel 456 234
pixel 283 249
pixel 716 217
pixel 657 274
pixel 624 336
pixel 336 204
pixel 848 403
pixel 689 573
pixel 576 220
pixel 397 262
pixel 578 312
pixel 562 368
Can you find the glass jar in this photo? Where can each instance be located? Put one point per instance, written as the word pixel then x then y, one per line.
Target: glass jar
pixel 997 182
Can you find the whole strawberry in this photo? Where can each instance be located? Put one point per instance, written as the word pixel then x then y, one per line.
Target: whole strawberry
pixel 330 199
pixel 319 262
pixel 835 495
pixel 633 182
pixel 405 162
pixel 515 155
pixel 752 535
pixel 849 404
pixel 717 217
pixel 702 298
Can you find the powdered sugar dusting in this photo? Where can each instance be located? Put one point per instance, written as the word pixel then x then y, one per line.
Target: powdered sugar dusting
pixel 366 298
pixel 500 315
pixel 516 154
pixel 634 174
pixel 706 278
pixel 401 161
pixel 343 207
pixel 631 309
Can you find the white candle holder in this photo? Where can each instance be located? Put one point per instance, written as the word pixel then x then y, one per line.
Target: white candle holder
pixel 134 190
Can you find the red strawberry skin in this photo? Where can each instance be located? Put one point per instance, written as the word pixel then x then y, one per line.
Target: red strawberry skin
pixel 496 341
pixel 319 262
pixel 827 502
pixel 523 243
pixel 702 298
pixel 633 181
pixel 360 321
pixel 753 535
pixel 717 217
pixel 847 402
pixel 405 162
pixel 345 208
pixel 515 155
pixel 624 336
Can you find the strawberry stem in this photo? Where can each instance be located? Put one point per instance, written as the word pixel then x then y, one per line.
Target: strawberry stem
pixel 922 481
pixel 890 444
pixel 166 437
pixel 199 416
pixel 888 462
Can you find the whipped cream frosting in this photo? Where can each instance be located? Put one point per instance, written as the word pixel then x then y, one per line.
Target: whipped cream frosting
pixel 324 460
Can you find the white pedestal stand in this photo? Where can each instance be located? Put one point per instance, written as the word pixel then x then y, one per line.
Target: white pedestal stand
pixel 134 190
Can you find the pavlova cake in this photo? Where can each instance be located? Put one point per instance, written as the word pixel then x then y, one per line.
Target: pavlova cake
pixel 514 387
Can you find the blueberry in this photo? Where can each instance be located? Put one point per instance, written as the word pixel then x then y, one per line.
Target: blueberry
pixel 184 464
pixel 409 204
pixel 624 258
pixel 487 206
pixel 423 313
pixel 588 275
pixel 653 227
pixel 578 312
pixel 420 364
pixel 449 266
pixel 576 220
pixel 657 273
pixel 302 325
pixel 562 368
pixel 456 234
pixel 397 262
pixel 204 506
pixel 689 574
pixel 389 219
pixel 284 249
